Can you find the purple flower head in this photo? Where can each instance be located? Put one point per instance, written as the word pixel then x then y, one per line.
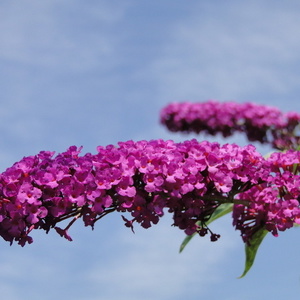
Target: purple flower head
pixel 146 179
pixel 260 123
pixel 273 204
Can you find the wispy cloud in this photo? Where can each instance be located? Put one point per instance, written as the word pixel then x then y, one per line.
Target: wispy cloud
pixel 242 51
pixel 148 265
pixel 53 34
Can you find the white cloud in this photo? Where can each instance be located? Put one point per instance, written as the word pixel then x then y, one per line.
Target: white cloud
pixel 147 265
pixel 54 33
pixel 234 52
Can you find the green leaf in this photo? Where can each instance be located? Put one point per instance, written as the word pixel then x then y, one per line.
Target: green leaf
pixel 295 168
pixel 251 250
pixel 186 241
pixel 222 210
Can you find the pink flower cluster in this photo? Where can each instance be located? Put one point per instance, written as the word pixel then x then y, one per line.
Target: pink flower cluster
pixel 146 178
pixel 259 122
pixel 273 204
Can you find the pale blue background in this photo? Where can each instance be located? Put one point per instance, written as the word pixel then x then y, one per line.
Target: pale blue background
pixel 91 73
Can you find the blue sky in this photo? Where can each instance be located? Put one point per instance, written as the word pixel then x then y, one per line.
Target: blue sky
pixel 97 72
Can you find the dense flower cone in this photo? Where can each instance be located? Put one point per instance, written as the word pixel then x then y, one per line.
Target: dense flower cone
pixel 147 178
pixel 259 122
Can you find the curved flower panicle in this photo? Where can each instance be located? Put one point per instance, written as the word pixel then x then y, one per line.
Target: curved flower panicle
pixel 146 179
pixel 260 123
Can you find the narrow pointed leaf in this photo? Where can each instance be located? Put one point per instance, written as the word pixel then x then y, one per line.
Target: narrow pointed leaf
pixel 186 241
pixel 251 250
pixel 222 210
